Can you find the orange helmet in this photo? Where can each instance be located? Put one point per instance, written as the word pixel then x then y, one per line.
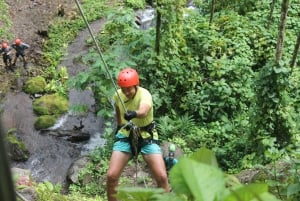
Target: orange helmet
pixel 18 41
pixel 4 45
pixel 128 77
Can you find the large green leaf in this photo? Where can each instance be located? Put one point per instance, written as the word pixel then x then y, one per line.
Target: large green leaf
pixel 251 192
pixel 293 189
pixel 198 181
pixel 204 155
pixel 137 194
pixel 168 197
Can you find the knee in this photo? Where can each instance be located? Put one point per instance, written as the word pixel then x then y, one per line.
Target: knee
pixel 162 177
pixel 112 177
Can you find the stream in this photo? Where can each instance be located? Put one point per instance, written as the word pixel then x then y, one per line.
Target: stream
pixel 51 157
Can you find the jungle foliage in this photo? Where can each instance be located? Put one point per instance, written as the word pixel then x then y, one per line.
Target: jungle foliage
pixel 215 69
pixel 190 179
pixel 214 79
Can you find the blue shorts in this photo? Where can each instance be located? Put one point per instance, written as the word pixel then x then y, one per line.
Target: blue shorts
pixel 147 149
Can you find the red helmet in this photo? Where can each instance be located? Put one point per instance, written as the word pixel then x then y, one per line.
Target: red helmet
pixel 128 77
pixel 4 45
pixel 18 41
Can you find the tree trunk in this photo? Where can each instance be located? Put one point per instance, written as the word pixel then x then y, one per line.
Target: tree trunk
pixel 270 20
pixel 295 53
pixel 158 25
pixel 212 11
pixel 281 34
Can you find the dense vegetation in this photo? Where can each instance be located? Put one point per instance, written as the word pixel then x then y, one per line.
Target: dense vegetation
pixel 219 77
pixel 215 74
pixel 215 82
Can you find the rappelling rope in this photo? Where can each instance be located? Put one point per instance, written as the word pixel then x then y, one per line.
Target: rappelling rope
pixel 135 128
pixel 100 52
pixel 135 142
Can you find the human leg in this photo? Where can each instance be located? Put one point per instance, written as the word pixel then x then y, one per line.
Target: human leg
pixel 4 61
pixel 7 62
pixel 156 164
pixel 15 59
pixel 24 62
pixel 10 66
pixel 117 163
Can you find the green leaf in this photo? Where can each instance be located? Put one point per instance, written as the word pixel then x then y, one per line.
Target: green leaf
pixel 168 197
pixel 293 189
pixel 251 192
pixel 193 179
pixel 137 193
pixel 204 155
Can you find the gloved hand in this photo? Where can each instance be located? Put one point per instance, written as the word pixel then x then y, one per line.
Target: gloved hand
pixel 130 115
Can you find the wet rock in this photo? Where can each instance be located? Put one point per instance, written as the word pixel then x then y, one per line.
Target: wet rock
pixel 284 171
pixel 76 167
pixel 70 135
pixel 44 121
pixel 35 85
pixel 51 104
pixel 17 150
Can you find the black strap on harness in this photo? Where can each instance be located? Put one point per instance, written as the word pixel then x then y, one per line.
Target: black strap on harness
pixel 135 139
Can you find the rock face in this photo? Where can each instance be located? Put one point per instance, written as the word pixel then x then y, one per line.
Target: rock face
pixel 70 135
pixel 51 155
pixel 73 172
pixel 17 150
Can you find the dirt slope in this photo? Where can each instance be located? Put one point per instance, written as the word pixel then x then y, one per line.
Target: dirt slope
pixel 30 22
pixel 31 19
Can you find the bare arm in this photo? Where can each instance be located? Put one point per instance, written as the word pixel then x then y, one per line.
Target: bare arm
pixel 118 117
pixel 143 110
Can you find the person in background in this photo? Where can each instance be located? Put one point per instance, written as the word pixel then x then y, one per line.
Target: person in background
pixel 20 48
pixel 170 160
pixel 6 51
pixel 134 104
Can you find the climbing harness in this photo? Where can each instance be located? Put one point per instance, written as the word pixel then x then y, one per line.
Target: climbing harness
pixel 135 138
pixel 136 142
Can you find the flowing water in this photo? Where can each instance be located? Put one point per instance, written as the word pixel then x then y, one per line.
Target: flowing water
pixel 50 157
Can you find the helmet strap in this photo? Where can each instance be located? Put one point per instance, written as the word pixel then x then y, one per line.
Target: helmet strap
pixel 136 88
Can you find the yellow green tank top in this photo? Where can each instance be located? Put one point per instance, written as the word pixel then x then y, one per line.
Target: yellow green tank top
pixel 142 96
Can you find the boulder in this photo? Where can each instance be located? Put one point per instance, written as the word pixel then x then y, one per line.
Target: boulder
pixel 16 148
pixel 76 167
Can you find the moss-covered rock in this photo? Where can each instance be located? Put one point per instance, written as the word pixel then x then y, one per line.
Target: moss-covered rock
pixel 44 121
pixel 35 85
pixel 17 150
pixel 51 104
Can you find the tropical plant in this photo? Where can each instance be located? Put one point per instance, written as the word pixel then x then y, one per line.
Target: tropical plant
pixel 191 178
